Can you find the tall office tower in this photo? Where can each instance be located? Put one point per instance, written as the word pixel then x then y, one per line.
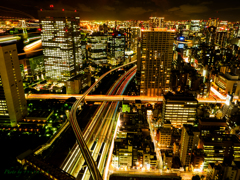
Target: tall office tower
pixel 156 22
pixel 131 37
pixel 179 109
pixel 221 39
pixel 97 48
pixel 195 25
pixel 135 35
pixel 116 46
pixel 127 31
pixel 213 22
pixel 13 105
pixel 155 61
pixel 189 142
pixel 61 44
pixel 211 35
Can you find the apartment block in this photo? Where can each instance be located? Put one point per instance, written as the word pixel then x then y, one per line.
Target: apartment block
pixel 165 134
pixel 155 61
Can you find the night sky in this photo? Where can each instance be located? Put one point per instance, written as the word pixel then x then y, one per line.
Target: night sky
pixel 130 9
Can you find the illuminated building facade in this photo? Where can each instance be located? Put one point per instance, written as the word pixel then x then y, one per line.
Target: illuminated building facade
pixel 13 106
pixel 213 22
pixel 156 22
pixel 165 135
pixel 220 147
pixel 131 37
pixel 116 45
pixel 179 109
pixel 227 83
pixel 189 142
pixel 195 25
pixel 155 61
pixel 97 48
pixel 61 44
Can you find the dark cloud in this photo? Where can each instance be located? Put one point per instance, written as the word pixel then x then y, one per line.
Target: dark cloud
pixel 108 8
pixel 230 9
pixel 189 9
pixel 85 8
pixel 133 9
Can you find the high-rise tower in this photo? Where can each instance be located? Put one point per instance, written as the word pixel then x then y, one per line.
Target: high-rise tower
pixel 13 105
pixel 60 33
pixel 155 61
pixel 189 142
pixel 156 22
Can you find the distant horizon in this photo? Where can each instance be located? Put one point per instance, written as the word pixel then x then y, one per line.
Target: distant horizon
pixel 123 20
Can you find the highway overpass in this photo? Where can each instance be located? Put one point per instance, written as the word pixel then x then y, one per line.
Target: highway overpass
pixel 113 98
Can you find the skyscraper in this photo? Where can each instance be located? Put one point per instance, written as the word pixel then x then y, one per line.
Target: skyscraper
pixel 116 44
pixel 61 44
pixel 189 141
pixel 97 48
pixel 155 61
pixel 12 100
pixel 156 22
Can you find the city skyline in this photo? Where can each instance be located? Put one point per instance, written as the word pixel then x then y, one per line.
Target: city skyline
pixel 109 100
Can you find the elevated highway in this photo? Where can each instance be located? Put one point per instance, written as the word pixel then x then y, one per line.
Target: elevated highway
pixel 92 166
pixel 114 98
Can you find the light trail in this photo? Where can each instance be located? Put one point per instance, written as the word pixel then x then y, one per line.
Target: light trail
pixel 76 148
pixel 218 93
pixel 78 133
pixel 86 137
pixel 111 150
pixel 114 98
pixel 32 46
pixel 9 38
pixel 105 135
pixel 122 89
pixel 28 52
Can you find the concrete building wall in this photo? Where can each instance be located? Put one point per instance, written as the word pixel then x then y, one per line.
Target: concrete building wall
pixel 13 103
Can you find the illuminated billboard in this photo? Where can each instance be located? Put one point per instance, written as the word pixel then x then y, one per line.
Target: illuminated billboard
pixel 181 46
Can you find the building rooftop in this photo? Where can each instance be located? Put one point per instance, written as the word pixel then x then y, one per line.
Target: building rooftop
pixel 190 129
pixel 212 120
pixel 179 97
pixel 222 138
pixel 164 130
pixel 77 76
pixel 230 76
